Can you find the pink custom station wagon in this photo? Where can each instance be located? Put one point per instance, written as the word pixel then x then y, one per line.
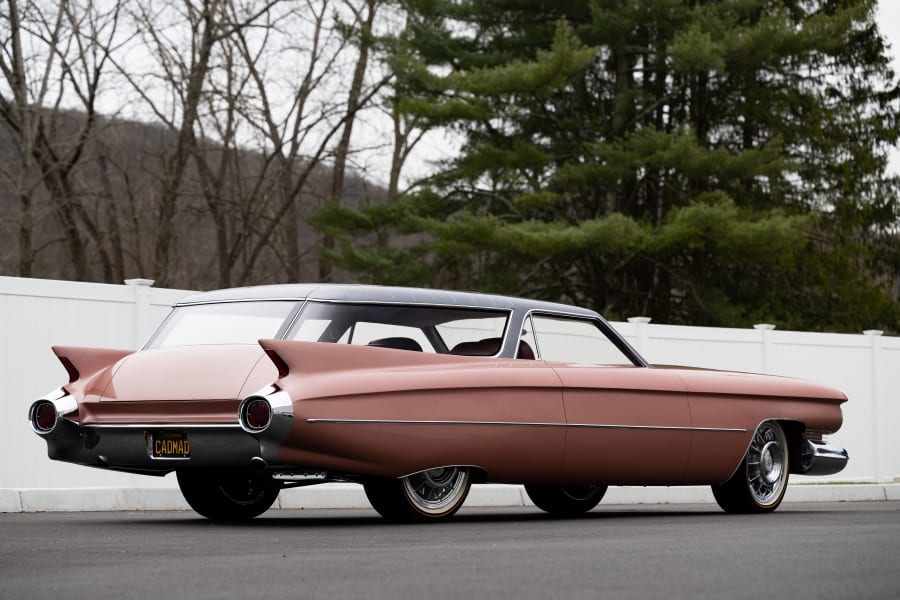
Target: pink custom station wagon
pixel 416 394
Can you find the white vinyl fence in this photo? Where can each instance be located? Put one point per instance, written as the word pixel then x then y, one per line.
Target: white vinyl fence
pixel 36 314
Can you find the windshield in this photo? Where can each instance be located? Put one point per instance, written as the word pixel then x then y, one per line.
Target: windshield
pixel 224 323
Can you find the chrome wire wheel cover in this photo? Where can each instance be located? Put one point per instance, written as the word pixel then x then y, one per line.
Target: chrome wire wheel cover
pixel 436 491
pixel 767 464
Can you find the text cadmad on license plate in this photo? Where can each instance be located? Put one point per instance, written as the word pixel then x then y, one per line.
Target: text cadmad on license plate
pixel 168 444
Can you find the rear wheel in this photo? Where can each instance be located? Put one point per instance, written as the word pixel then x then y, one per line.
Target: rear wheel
pixel 566 500
pixel 759 484
pixel 432 495
pixel 227 495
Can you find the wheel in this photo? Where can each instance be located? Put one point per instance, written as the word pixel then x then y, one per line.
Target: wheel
pixel 760 482
pixel 566 499
pixel 432 495
pixel 226 495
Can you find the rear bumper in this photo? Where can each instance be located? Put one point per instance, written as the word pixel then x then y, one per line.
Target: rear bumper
pixel 822 458
pixel 130 448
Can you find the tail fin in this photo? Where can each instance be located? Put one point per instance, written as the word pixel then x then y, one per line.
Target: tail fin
pixel 292 357
pixel 81 363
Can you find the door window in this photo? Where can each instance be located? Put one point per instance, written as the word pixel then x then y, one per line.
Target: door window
pixel 574 341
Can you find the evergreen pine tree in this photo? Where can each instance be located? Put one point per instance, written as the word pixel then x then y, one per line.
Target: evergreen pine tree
pixel 699 161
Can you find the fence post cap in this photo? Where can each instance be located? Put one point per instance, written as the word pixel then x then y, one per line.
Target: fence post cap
pixel 141 282
pixel 764 326
pixel 640 320
pixel 873 332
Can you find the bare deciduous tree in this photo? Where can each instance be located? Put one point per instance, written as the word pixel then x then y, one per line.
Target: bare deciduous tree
pixel 53 61
pixel 244 120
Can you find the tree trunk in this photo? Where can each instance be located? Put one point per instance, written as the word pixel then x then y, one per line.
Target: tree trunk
pixel 177 162
pixel 342 151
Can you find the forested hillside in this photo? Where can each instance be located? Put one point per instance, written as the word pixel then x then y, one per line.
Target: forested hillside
pixel 114 217
pixel 185 142
pixel 116 220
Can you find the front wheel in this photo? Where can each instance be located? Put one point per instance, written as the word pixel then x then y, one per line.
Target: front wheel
pixel 565 500
pixel 432 495
pixel 226 495
pixel 759 484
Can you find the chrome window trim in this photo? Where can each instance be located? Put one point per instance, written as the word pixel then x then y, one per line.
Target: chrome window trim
pixel 614 337
pixel 285 331
pixel 509 309
pixel 537 346
pixel 237 300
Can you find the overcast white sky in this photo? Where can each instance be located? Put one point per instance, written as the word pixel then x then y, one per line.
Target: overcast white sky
pixel 889 23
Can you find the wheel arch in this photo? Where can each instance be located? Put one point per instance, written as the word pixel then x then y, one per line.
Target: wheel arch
pixel 477 474
pixel 793 431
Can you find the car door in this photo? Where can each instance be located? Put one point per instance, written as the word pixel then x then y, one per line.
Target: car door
pixel 625 424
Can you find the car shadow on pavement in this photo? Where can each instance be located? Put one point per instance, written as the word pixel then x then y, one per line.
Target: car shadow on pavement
pixel 343 518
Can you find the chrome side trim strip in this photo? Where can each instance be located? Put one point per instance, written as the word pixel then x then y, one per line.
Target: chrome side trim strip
pixel 405 422
pixel 521 424
pixel 664 427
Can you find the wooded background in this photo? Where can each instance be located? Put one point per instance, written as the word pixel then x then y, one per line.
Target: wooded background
pixel 717 162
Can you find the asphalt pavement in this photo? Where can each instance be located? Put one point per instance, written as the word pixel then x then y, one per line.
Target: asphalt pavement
pixel 804 550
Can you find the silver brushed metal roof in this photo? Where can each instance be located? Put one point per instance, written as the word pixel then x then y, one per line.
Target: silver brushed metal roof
pixel 379 294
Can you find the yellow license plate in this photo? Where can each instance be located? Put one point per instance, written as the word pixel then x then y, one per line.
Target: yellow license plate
pixel 168 444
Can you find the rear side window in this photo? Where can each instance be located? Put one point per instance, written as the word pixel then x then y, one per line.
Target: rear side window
pixel 415 327
pixel 457 332
pixel 574 341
